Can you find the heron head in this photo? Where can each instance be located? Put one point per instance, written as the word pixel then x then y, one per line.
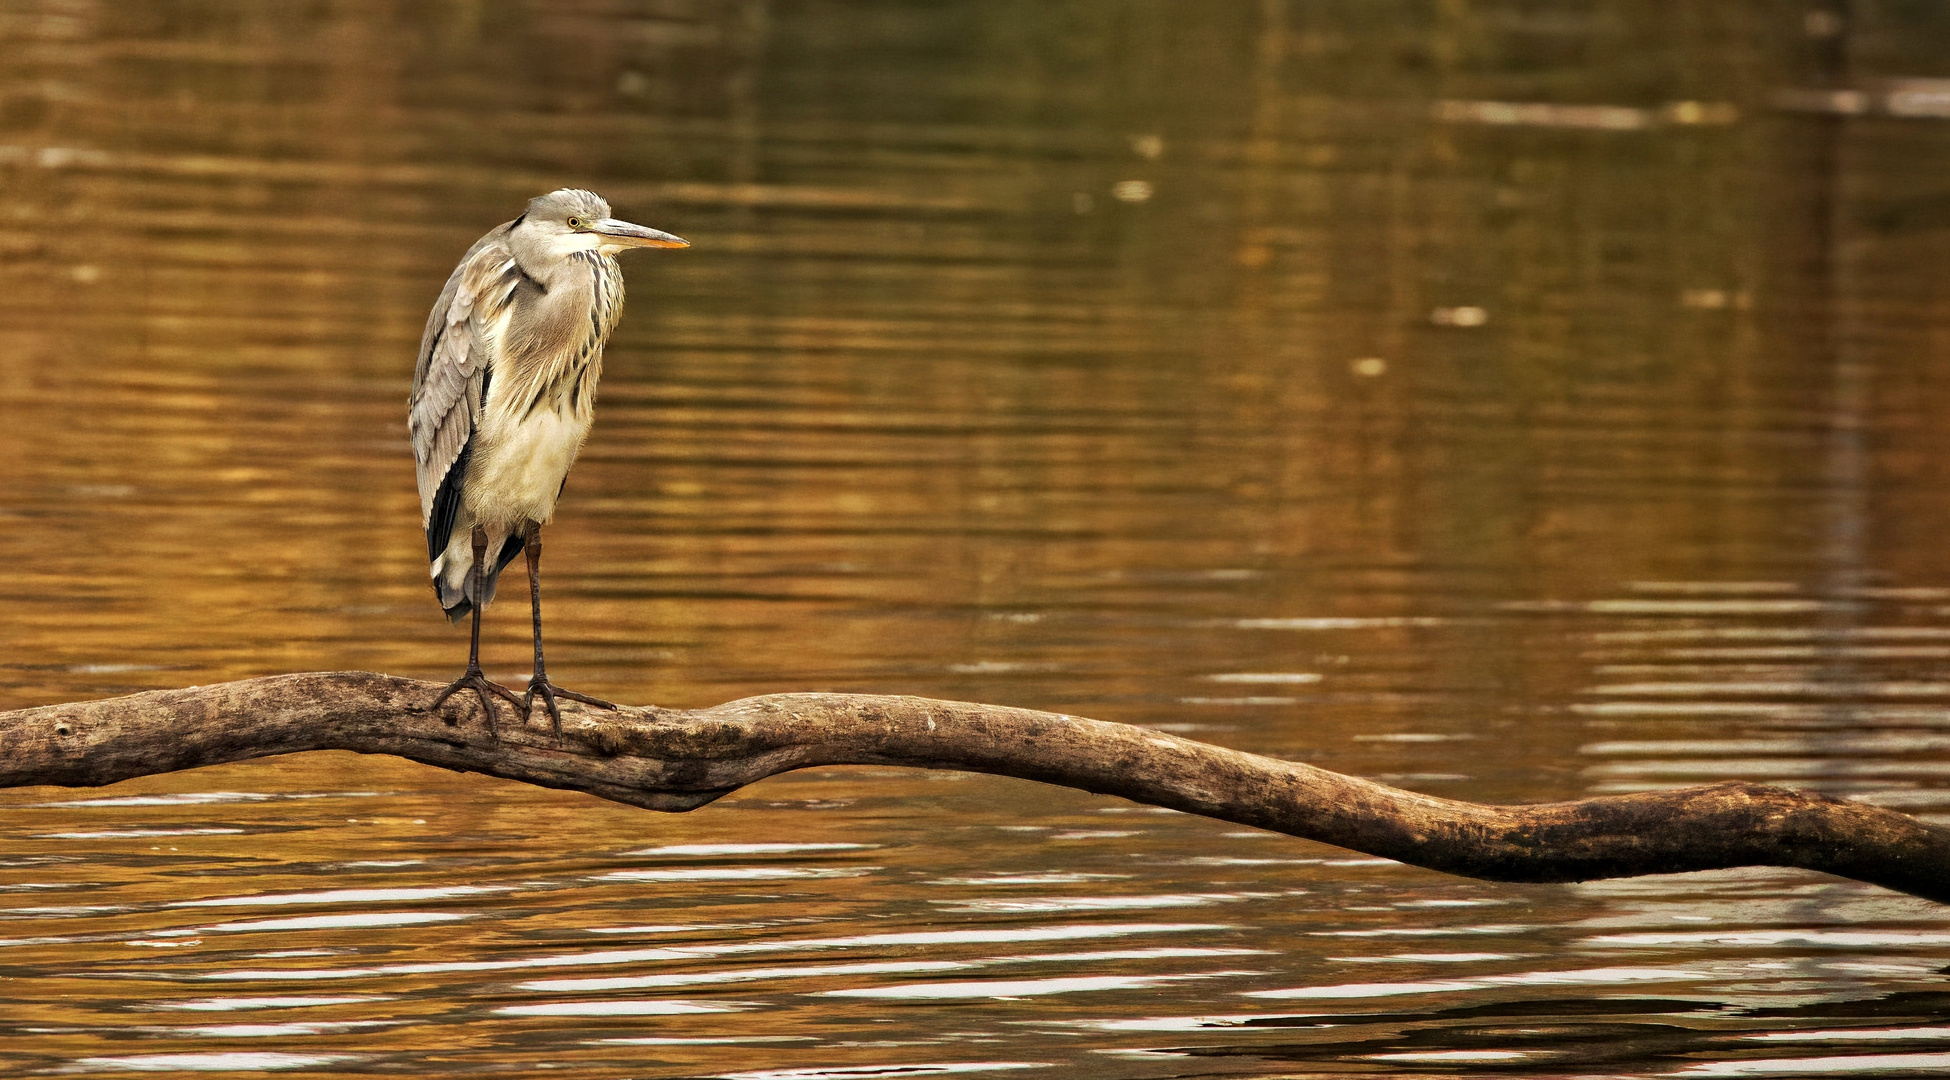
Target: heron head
pixel 571 219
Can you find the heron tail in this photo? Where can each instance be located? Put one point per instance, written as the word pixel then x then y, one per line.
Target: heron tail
pixel 456 596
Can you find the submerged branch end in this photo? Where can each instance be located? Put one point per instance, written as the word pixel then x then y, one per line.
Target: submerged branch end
pixel 677 760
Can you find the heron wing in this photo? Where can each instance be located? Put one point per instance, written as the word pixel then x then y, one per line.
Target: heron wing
pixel 450 381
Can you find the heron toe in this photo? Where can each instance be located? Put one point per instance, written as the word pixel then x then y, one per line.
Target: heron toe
pixel 549 692
pixel 474 679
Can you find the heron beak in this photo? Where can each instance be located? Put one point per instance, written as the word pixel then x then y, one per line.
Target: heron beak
pixel 624 234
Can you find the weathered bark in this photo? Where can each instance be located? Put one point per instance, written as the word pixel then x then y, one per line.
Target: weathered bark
pixel 665 759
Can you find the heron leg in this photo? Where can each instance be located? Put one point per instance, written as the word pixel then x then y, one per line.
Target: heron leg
pixel 538 683
pixel 474 678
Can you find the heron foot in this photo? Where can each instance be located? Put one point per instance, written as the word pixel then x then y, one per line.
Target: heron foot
pixel 549 692
pixel 476 680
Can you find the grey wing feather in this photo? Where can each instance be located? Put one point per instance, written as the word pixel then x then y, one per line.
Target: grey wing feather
pixel 454 357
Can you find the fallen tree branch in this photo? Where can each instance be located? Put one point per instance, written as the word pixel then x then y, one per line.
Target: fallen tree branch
pixel 675 760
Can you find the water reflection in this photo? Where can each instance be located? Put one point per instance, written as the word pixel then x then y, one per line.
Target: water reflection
pixel 1514 404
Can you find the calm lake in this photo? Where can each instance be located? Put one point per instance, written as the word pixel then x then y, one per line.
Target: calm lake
pixel 1509 401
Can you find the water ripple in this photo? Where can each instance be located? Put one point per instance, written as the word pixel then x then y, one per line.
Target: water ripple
pixel 251 1061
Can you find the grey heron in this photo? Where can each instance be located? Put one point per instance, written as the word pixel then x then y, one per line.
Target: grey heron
pixel 503 397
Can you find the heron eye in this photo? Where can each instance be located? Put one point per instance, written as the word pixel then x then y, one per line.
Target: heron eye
pixel 575 223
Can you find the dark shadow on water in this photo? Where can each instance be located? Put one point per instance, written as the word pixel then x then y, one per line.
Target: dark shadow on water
pixel 1548 1037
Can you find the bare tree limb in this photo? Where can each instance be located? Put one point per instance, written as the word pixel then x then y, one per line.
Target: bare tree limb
pixel 675 760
